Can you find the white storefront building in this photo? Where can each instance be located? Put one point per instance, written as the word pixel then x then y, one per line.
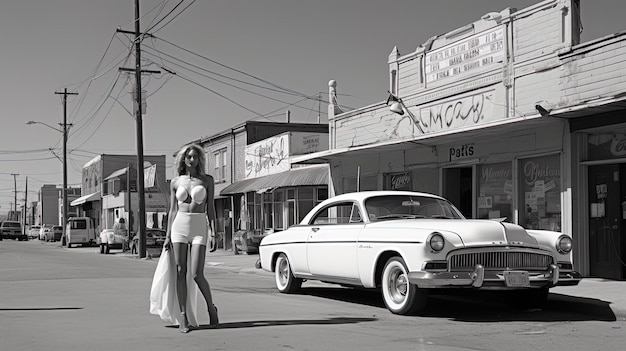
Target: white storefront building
pixel 509 116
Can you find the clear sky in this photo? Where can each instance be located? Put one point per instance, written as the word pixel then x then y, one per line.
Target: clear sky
pixel 235 60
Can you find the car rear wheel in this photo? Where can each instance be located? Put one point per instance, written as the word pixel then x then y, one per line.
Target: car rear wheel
pixel 285 281
pixel 400 296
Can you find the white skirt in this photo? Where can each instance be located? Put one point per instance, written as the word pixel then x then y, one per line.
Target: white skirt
pixel 164 299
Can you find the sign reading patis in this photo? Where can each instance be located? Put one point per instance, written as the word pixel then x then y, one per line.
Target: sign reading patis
pixel 477 51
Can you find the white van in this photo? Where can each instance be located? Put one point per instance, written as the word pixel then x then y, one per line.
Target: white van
pixel 80 230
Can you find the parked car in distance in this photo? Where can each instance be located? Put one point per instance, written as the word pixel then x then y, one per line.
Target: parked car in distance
pixel 155 237
pixel 54 233
pixel 407 243
pixel 110 239
pixel 12 230
pixel 33 232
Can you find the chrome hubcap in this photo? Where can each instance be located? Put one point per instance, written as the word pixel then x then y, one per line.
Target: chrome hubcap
pixel 398 285
pixel 283 271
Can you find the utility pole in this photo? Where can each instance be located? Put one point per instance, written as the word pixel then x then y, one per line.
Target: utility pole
pixel 25 206
pixel 65 205
pixel 14 217
pixel 141 231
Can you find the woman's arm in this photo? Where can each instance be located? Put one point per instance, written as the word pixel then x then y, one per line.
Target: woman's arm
pixel 210 202
pixel 173 207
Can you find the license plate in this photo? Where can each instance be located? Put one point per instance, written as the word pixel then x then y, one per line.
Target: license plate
pixel 516 279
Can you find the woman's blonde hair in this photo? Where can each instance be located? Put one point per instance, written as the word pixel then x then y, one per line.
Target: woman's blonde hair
pixel 180 159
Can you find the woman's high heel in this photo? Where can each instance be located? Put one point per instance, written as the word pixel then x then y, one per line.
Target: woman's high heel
pixel 213 318
pixel 184 323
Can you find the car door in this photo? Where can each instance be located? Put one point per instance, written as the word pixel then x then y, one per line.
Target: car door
pixel 332 242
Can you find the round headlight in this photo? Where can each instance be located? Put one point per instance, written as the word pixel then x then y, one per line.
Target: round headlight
pixel 436 242
pixel 564 244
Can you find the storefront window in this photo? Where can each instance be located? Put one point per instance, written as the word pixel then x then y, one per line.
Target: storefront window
pixel 268 216
pixel 604 146
pixel 253 201
pixel 305 201
pixel 540 193
pixel 495 191
pixel 279 200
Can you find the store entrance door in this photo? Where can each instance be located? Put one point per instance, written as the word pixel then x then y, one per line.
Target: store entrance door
pixel 457 187
pixel 606 217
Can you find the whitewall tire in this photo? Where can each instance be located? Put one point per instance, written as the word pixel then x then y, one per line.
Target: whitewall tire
pixel 285 281
pixel 400 296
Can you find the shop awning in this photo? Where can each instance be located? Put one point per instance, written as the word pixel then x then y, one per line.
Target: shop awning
pixel 81 200
pixel 317 175
pixel 117 173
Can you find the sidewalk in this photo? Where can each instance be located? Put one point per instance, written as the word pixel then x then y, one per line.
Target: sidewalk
pixel 598 292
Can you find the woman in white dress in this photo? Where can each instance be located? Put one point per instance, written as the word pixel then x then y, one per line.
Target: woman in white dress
pixel 191 218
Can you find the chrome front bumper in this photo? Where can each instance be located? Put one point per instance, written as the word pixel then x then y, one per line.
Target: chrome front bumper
pixel 481 278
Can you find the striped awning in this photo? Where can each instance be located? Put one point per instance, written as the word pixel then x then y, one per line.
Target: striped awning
pixel 315 175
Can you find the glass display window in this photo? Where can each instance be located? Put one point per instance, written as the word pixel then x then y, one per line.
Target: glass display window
pixel 495 191
pixel 540 193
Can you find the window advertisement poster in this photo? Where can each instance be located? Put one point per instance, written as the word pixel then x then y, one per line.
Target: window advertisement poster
pixel 541 193
pixel 399 181
pixel 495 191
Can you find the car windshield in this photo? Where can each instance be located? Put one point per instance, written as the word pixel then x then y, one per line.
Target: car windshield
pixel 408 206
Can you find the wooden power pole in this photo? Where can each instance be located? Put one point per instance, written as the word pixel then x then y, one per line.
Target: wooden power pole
pixel 141 216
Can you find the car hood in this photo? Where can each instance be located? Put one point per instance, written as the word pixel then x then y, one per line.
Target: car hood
pixel 473 232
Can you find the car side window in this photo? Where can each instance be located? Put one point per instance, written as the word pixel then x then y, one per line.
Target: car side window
pixel 341 213
pixel 355 214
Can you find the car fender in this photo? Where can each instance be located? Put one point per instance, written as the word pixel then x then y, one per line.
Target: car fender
pixel 408 243
pixel 548 240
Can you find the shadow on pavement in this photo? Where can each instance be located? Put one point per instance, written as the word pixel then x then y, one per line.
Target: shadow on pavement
pixel 41 308
pixel 273 323
pixel 483 306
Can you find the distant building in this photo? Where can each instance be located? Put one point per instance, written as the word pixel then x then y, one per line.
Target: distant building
pixel 256 189
pixel 109 184
pixel 49 206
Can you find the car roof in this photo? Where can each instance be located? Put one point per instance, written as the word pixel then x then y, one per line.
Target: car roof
pixel 362 195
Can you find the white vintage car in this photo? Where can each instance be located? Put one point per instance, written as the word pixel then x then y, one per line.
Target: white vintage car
pixel 406 243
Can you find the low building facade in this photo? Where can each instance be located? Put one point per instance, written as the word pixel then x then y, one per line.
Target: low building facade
pixel 508 117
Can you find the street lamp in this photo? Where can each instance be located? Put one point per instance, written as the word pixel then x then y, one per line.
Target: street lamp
pixel 65 205
pixel 398 107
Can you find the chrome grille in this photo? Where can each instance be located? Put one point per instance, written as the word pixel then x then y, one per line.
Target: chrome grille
pixel 494 260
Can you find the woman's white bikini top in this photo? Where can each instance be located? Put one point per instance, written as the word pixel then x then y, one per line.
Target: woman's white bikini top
pixel 198 193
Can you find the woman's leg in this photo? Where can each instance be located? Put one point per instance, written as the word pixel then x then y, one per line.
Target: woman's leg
pixel 180 255
pixel 198 254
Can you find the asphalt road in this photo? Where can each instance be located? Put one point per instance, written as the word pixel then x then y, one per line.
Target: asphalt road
pixel 54 298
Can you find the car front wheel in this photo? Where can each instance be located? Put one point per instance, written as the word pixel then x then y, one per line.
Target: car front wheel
pixel 400 296
pixel 285 281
